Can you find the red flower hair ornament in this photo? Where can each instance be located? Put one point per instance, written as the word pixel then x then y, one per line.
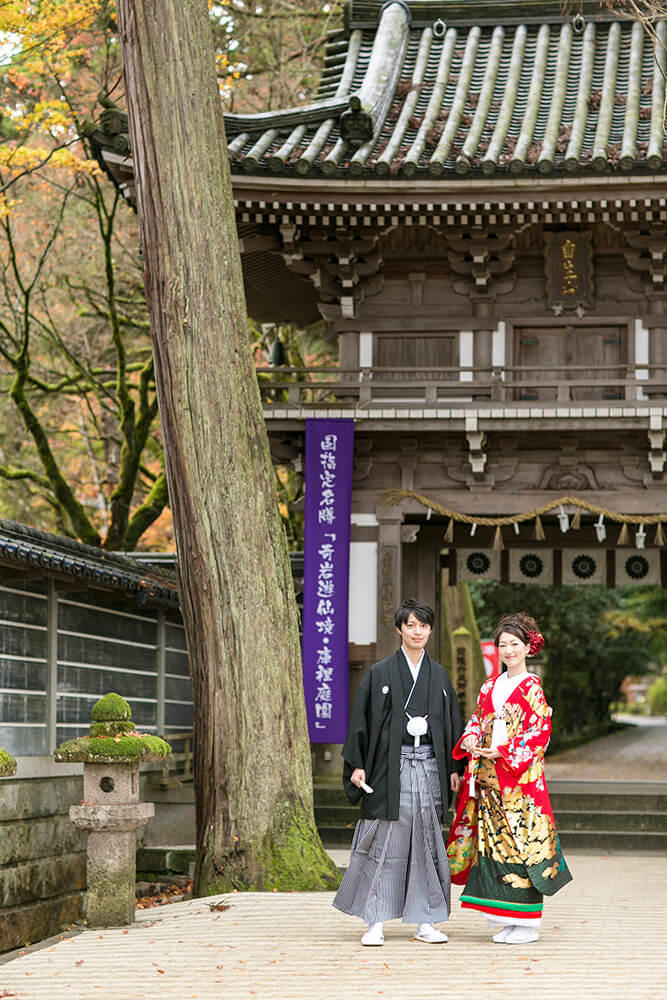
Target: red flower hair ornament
pixel 536 641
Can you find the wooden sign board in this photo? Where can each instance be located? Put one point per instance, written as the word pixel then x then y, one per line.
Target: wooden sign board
pixel 569 269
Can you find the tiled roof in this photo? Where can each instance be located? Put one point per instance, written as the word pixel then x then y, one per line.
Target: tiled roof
pixel 408 98
pixel 30 548
pixel 444 88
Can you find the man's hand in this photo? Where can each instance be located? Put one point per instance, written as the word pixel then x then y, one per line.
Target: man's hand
pixel 454 781
pixel 357 776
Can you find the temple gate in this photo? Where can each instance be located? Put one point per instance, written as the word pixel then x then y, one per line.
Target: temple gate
pixel 476 205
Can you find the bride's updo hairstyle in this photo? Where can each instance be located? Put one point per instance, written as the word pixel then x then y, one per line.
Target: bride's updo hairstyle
pixel 524 628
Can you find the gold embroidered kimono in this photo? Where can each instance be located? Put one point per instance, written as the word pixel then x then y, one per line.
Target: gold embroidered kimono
pixel 503 843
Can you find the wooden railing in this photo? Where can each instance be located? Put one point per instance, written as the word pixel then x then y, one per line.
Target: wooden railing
pixel 410 386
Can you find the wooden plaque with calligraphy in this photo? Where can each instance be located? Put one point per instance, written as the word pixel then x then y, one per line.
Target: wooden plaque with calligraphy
pixel 569 269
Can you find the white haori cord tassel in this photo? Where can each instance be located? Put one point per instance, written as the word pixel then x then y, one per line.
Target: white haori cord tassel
pixel 472 788
pixel 417 727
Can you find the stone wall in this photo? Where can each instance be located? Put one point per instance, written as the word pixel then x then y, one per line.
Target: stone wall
pixel 42 858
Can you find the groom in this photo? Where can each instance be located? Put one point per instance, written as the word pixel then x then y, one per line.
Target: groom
pixel 403 726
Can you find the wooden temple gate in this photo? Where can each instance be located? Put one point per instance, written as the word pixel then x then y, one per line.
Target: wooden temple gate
pixel 476 205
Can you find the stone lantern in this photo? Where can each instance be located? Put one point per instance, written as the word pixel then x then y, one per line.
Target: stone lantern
pixel 110 809
pixel 7 764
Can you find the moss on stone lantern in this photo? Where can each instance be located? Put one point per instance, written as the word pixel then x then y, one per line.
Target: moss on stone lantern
pixel 111 810
pixel 7 764
pixel 113 738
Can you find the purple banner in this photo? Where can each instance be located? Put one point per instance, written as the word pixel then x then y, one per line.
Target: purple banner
pixel 329 453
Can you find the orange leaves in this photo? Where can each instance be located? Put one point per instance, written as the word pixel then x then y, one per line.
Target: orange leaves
pixel 170 894
pixel 20 158
pixel 58 55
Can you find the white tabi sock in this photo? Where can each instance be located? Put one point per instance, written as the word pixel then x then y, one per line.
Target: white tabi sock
pixel 374 935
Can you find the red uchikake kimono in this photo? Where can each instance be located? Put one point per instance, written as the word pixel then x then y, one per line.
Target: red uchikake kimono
pixel 503 843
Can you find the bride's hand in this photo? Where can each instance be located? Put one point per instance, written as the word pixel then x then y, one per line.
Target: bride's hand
pixel 469 743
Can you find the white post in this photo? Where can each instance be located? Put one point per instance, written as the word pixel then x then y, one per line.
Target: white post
pixel 466 344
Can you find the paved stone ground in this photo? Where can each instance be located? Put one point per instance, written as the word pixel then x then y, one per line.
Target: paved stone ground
pixel 602 939
pixel 638 753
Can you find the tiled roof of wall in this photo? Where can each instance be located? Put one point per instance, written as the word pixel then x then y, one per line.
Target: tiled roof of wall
pixel 30 548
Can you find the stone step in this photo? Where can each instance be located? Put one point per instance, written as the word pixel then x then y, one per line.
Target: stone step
pixel 603 815
pixel 599 840
pixel 607 802
pixel 592 819
pixel 614 840
pixel 165 860
pixel 565 797
pixel 630 822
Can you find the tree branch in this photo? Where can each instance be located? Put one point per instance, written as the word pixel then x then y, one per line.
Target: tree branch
pixel 6 472
pixel 148 512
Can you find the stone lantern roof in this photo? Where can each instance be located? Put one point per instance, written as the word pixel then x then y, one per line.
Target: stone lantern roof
pixel 113 738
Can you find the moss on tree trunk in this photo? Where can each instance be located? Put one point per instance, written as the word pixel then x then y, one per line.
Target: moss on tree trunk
pixel 252 760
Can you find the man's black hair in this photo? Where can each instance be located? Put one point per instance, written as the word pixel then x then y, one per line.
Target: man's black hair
pixel 424 613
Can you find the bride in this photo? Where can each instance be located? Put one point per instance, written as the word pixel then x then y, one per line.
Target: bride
pixel 503 843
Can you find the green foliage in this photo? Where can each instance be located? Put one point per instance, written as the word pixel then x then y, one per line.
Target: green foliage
pixel 7 764
pixel 657 697
pixel 111 708
pixel 628 707
pixel 645 611
pixel 270 55
pixel 586 655
pixel 113 749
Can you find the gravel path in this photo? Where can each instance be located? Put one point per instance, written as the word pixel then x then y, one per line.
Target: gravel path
pixel 638 753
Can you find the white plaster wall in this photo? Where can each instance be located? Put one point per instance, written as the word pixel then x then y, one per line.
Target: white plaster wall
pixel 362 606
pixel 642 336
pixel 466 356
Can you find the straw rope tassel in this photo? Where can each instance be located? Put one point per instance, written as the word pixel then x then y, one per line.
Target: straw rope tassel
pixel 623 537
pixel 394 496
pixel 498 539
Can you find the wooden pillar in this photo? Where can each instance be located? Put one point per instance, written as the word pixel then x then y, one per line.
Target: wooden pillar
pixel 462 659
pixel 389 580
pixel 456 612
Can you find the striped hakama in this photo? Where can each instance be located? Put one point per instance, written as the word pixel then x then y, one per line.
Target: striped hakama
pixel 399 868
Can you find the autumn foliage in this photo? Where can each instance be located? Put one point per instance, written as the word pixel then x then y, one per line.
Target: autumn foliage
pixel 81 450
pixel 82 453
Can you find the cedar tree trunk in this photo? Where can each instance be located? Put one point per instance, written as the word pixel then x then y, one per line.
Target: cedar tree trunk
pixel 255 825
